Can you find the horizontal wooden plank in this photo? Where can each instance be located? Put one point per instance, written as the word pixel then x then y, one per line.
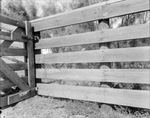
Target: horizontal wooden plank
pixel 15 37
pixel 6 84
pixel 140 76
pixel 8 100
pixel 106 55
pixel 7 27
pixel 5 36
pixel 13 59
pixel 9 21
pixel 118 34
pixel 94 12
pixel 12 52
pixel 17 67
pixel 134 98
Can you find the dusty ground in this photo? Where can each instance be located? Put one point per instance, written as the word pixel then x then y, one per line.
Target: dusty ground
pixel 41 107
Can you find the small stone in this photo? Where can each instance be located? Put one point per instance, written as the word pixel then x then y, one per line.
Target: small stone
pixel 106 108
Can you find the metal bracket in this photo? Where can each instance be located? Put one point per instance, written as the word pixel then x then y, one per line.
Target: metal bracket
pixel 36 39
pixel 24 93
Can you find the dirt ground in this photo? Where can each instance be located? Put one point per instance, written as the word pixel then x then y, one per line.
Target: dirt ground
pixel 46 107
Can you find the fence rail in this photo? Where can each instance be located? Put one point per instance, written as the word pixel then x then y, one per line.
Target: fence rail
pixel 106 55
pixel 102 11
pixel 9 21
pixel 104 95
pixel 97 75
pixel 118 34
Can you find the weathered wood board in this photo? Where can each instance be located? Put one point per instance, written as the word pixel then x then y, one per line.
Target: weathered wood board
pixel 104 95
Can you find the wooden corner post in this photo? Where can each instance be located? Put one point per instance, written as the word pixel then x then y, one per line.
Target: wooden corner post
pixel 30 55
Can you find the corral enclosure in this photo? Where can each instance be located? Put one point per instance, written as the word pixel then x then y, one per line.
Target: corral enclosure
pixel 59 80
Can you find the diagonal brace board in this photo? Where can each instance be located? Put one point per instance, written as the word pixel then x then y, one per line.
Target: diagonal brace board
pixel 6 44
pixel 5 69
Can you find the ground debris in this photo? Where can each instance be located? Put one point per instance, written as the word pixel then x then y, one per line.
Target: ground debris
pixel 47 107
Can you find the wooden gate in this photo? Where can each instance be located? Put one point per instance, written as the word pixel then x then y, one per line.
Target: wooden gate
pixel 16 61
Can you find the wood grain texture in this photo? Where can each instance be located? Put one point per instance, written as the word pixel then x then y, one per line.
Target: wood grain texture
pixel 17 67
pixel 9 21
pixel 106 55
pixel 140 76
pixel 12 52
pixel 31 58
pixel 7 27
pixel 102 10
pixel 118 34
pixel 104 95
pixel 9 73
pixel 13 59
pixel 8 100
pixel 6 84
pixel 6 44
pixel 15 37
pixel 5 35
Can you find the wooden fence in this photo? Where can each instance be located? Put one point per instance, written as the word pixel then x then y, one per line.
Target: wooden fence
pixel 101 12
pixel 16 61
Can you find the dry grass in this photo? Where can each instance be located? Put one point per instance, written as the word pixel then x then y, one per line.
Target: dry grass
pixel 41 107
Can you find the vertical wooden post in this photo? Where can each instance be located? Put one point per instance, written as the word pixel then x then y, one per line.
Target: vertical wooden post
pixel 25 58
pixel 37 36
pixel 31 58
